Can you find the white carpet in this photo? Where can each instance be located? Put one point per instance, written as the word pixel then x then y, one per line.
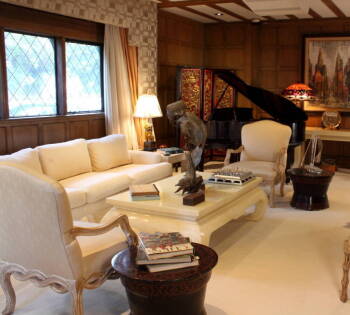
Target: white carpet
pixel 289 263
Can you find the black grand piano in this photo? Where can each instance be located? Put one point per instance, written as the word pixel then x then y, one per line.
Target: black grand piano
pixel 224 125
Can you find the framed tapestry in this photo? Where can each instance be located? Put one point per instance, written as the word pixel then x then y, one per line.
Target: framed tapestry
pixel 327 72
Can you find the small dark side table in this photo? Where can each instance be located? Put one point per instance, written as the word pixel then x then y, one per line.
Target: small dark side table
pixel 171 292
pixel 310 190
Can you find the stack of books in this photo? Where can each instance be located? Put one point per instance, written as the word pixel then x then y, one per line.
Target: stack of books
pixel 165 251
pixel 144 192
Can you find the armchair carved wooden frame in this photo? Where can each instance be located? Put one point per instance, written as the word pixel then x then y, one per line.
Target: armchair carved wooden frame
pixel 52 256
pixel 279 168
pixel 60 284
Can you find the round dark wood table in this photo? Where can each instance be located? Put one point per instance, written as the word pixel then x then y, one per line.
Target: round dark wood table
pixel 310 189
pixel 172 292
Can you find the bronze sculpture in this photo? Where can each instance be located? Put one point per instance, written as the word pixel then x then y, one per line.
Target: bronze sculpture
pixel 195 134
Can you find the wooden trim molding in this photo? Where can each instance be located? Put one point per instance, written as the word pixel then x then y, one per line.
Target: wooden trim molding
pixel 4 109
pixel 60 57
pixel 333 7
pixel 29 20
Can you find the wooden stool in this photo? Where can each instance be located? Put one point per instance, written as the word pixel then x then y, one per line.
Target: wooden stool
pixel 172 292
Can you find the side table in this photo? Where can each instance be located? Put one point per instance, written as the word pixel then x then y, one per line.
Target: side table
pixel 172 292
pixel 310 189
pixel 177 159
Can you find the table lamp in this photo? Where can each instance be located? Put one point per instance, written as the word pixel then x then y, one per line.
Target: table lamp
pixel 147 106
pixel 298 93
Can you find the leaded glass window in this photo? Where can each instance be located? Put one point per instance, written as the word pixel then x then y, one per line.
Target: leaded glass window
pixel 84 80
pixel 31 79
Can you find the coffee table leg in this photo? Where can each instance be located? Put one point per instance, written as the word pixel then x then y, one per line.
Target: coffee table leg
pixel 260 201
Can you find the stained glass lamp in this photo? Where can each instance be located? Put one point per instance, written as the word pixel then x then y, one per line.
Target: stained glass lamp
pixel 147 106
pixel 298 93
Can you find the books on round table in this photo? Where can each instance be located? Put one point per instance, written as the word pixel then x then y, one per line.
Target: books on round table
pixel 165 251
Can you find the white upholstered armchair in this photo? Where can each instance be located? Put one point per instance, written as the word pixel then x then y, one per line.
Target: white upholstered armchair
pixel 39 242
pixel 264 152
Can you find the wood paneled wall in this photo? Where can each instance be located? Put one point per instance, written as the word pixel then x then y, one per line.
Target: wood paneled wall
pixel 267 55
pixel 180 43
pixel 230 46
pixel 16 134
pixel 274 53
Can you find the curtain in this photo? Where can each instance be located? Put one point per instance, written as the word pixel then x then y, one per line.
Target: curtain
pixel 117 90
pixel 131 56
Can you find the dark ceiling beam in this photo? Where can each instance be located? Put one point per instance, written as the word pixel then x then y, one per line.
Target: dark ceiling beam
pixel 228 12
pixel 291 17
pixel 314 14
pixel 332 6
pixel 242 4
pixel 180 4
pixel 201 14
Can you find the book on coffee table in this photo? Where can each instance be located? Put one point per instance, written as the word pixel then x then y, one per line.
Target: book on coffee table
pixel 164 245
pixel 144 190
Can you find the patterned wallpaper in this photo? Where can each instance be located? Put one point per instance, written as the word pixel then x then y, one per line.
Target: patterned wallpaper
pixel 139 16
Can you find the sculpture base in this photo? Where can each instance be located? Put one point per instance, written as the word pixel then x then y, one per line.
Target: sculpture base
pixel 194 198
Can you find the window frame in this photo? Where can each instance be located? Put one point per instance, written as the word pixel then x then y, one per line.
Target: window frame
pixel 61 28
pixel 100 46
pixel 55 67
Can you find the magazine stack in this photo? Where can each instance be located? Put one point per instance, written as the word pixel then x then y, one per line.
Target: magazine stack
pixel 165 251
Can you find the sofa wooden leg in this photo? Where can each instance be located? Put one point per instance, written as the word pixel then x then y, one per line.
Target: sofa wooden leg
pixel 9 292
pixel 346 267
pixel 77 297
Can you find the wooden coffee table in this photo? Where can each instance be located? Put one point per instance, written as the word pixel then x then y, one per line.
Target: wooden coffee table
pixel 171 292
pixel 222 204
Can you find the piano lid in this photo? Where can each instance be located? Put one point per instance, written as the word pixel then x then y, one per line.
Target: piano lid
pixel 277 106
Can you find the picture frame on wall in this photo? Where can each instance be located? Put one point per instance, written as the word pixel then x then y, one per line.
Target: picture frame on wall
pixel 327 72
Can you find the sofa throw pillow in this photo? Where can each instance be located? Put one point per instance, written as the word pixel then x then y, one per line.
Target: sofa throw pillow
pixel 108 152
pixel 26 157
pixel 66 159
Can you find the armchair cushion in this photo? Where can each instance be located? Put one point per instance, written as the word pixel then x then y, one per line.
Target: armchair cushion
pixel 97 185
pixel 66 159
pixel 263 140
pixel 26 157
pixel 144 157
pixel 98 250
pixel 108 152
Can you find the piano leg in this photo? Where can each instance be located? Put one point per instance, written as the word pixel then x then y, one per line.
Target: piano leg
pixel 294 156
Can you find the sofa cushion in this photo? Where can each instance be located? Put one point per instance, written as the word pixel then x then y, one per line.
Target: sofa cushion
pixel 76 197
pixel 108 152
pixel 144 173
pixel 98 185
pixel 97 251
pixel 26 157
pixel 66 159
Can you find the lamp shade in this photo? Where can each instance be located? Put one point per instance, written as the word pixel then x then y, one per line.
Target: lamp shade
pixel 298 91
pixel 147 106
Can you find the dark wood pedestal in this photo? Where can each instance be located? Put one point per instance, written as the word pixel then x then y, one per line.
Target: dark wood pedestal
pixel 310 190
pixel 172 292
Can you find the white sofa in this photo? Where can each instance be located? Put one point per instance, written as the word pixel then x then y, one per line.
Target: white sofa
pixel 91 170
